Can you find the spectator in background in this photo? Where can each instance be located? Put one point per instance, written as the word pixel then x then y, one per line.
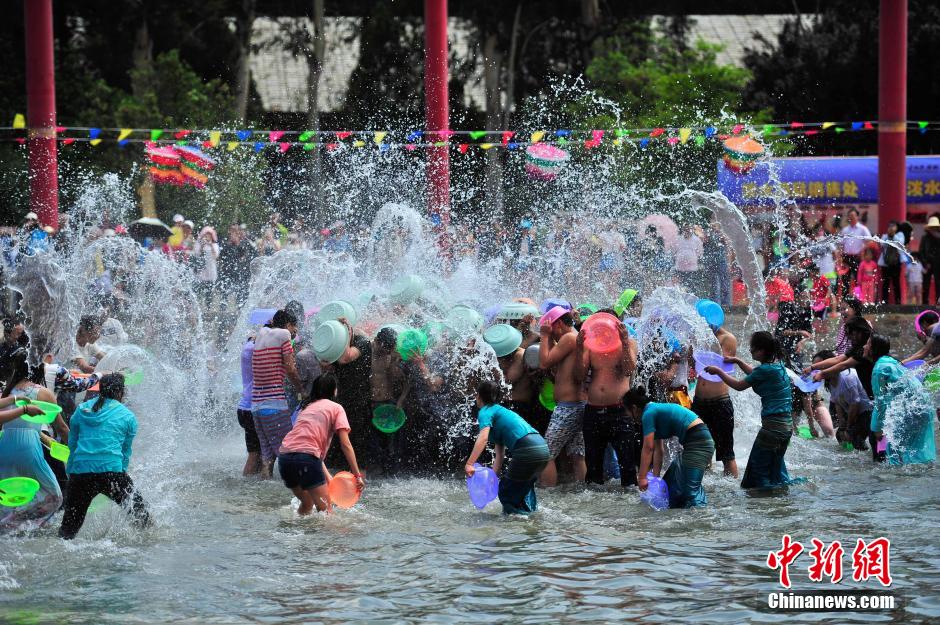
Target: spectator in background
pixel 35 237
pixel 235 258
pixel 688 253
pixel 268 244
pixel 204 261
pixel 852 246
pixel 891 262
pixel 915 279
pixel 176 239
pixel 715 257
pixel 930 256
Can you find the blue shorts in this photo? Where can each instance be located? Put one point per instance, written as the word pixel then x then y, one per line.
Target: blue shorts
pixel 301 470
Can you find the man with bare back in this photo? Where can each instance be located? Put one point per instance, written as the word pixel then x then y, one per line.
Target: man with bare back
pixel 713 406
pixel 557 353
pixel 605 419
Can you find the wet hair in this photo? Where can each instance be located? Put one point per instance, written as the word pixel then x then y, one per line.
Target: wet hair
pixel 858 324
pixel 929 318
pixel 489 392
pixel 566 319
pixel 854 304
pixel 825 354
pixel 387 338
pixel 9 323
pixel 111 387
pixel 89 323
pixel 880 346
pixel 17 370
pixel 324 387
pixel 282 318
pixel 767 343
pixel 636 396
pixel 295 308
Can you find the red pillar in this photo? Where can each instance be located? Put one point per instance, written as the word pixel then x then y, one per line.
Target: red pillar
pixel 436 106
pixel 40 112
pixel 892 113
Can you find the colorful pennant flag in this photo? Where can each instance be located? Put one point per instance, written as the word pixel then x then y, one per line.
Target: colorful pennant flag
pixel 379 137
pixel 537 136
pixel 305 136
pixel 684 134
pixel 155 134
pixel 124 134
pixel 19 121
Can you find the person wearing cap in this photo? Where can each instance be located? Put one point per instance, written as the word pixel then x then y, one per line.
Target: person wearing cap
pixel 205 264
pixel 507 341
pixel 712 403
pixel 557 354
pixel 930 256
pixel 176 239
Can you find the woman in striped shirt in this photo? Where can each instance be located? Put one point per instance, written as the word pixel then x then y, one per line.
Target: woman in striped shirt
pixel 271 361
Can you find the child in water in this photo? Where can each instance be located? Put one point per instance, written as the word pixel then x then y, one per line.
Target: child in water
pixel 663 421
pixel 102 433
pixel 509 432
pixel 301 455
pixel 765 466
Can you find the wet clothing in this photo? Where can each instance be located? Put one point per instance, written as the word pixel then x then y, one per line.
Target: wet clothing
pixel 313 432
pixel 116 486
pixel 718 414
pixel 667 420
pixel 565 429
pixel 685 473
pixel 863 367
pixel 765 465
pixel 301 470
pixel 904 413
pixel 605 425
pixel 21 455
pixel 355 393
pixel 271 426
pixel 771 382
pixel 506 427
pixel 517 486
pixel 267 368
pixel 247 421
pixel 248 349
pixel 100 441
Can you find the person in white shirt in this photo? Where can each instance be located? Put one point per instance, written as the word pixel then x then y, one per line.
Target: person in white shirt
pixel 688 252
pixel 852 246
pixel 915 280
pixel 204 260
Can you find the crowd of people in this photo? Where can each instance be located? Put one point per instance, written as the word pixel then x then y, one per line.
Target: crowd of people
pixel 547 400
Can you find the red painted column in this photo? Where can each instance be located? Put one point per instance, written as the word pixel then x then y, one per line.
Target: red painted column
pixel 892 113
pixel 40 112
pixel 437 114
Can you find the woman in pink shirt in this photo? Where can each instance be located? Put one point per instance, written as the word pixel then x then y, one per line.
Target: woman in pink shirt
pixel 301 455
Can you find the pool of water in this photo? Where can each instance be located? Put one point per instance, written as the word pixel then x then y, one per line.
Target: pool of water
pixel 230 550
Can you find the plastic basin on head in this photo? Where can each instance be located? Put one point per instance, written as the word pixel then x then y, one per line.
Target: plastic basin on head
pixel 503 338
pixel 406 290
pixel 49 411
pixel 464 320
pixel 483 486
pixel 343 491
pixel 915 364
pixel 337 309
pixel 329 341
pixel 602 333
pixel 552 302
pixel 531 356
pixel 623 302
pixel 711 311
pixel 711 359
pixel 17 491
pixel 411 341
pixel 516 310
pixel 656 495
pixel 388 418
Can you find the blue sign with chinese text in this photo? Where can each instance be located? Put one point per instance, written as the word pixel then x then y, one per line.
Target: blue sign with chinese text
pixel 848 180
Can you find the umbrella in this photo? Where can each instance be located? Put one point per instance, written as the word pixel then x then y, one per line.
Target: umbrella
pixel 665 227
pixel 149 228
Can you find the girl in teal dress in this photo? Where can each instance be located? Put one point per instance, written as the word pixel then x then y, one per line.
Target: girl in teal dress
pixel 903 410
